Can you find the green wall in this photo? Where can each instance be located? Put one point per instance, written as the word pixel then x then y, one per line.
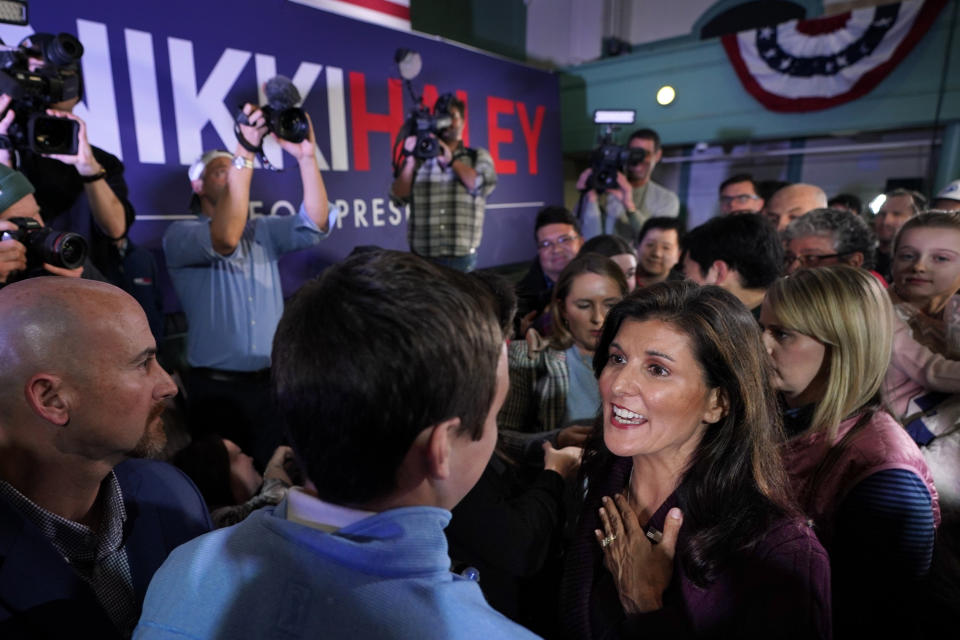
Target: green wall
pixel 499 26
pixel 713 106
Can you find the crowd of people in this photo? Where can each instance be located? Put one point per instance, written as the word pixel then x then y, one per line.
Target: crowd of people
pixel 745 429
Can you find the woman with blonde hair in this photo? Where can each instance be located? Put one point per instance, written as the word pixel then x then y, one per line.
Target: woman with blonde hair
pixel 854 470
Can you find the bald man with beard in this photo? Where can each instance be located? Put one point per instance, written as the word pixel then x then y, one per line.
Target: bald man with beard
pixel 84 523
pixel 793 201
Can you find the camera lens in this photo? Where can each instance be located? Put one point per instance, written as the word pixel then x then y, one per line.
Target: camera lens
pixel 73 251
pixel 61 249
pixel 291 124
pixel 63 50
pixel 426 147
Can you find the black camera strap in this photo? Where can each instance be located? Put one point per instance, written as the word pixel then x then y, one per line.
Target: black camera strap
pixel 256 150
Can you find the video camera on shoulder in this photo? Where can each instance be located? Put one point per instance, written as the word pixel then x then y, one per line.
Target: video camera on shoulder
pixel 46 245
pixel 608 158
pixel 54 77
pixel 421 123
pixel 427 127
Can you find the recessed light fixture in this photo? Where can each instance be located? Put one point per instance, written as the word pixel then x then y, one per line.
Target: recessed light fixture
pixel 666 95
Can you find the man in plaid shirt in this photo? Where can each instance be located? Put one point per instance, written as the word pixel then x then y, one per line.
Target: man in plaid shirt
pixel 447 194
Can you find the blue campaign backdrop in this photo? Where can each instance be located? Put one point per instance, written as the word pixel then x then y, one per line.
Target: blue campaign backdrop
pixel 163 82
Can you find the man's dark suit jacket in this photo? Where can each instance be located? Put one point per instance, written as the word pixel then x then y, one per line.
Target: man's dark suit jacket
pixel 42 597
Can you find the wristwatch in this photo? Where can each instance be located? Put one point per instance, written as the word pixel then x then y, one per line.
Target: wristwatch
pixel 93 177
pixel 242 163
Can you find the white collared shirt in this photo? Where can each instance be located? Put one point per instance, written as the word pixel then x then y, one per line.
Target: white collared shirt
pixel 310 511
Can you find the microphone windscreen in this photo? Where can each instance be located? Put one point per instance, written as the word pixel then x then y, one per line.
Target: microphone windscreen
pixel 281 93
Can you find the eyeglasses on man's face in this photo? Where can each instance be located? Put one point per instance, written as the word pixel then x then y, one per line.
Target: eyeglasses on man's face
pixel 741 199
pixel 560 242
pixel 811 260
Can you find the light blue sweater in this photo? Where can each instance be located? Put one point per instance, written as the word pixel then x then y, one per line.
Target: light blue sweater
pixel 386 576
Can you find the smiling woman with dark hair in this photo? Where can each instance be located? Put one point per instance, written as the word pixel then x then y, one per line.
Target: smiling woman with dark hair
pixel 687 526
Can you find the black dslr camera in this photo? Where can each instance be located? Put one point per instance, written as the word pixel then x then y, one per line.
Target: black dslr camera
pixel 608 158
pixel 56 80
pixel 284 118
pixel 58 248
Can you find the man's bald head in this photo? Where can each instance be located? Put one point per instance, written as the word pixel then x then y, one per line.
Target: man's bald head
pixel 83 381
pixel 792 202
pixel 46 324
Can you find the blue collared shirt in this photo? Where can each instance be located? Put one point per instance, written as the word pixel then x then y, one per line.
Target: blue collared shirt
pixel 233 303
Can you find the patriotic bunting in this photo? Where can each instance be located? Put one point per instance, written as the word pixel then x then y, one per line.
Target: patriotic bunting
pixel 808 65
pixel 387 13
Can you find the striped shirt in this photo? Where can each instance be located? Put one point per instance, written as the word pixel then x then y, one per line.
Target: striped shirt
pixel 891 496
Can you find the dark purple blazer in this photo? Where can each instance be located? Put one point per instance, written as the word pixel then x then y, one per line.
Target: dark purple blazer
pixel 779 588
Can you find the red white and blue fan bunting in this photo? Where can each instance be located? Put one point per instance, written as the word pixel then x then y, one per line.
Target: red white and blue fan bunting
pixel 388 13
pixel 806 65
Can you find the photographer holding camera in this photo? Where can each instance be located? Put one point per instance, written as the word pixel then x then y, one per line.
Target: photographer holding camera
pixel 27 248
pixel 80 188
pixel 83 191
pixel 633 199
pixel 224 269
pixel 447 192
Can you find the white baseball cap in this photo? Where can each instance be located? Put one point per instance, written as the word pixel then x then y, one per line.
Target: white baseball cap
pixel 951 191
pixel 200 164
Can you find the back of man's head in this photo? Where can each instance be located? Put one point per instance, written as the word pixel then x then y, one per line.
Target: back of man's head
pixel 555 215
pixel 380 347
pixel 747 243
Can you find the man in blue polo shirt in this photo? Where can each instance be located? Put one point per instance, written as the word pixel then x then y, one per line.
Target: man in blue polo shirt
pixel 224 269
